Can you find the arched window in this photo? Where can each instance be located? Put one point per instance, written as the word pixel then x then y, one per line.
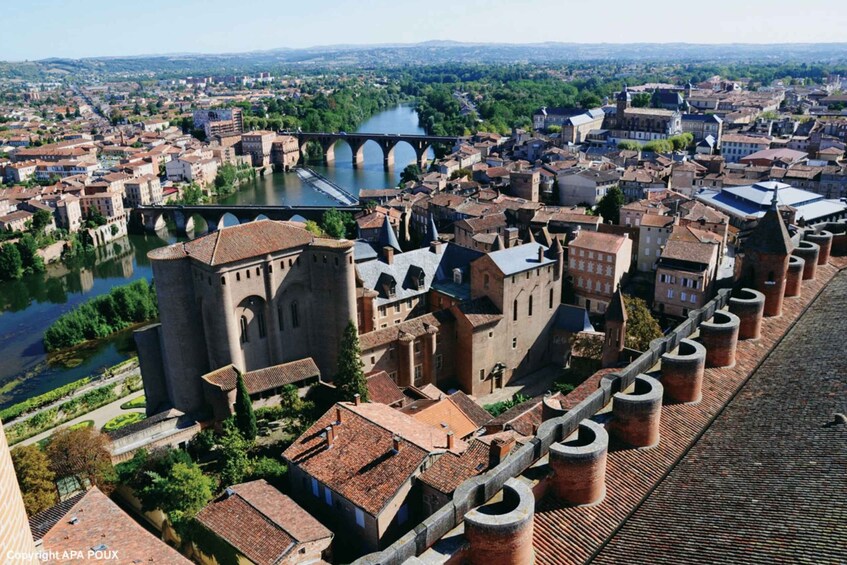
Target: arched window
pixel 244 336
pixel 529 307
pixel 295 316
pixel 260 318
pixel 515 311
pixel 279 311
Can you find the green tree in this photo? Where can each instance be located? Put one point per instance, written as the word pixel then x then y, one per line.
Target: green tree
pixel 610 205
pixel 338 224
pixel 182 493
pixel 245 419
pixel 641 326
pixel 313 228
pixel 641 100
pixel 234 458
pixel 35 478
pixel 350 379
pixel 411 173
pixel 191 195
pixel 30 259
pixel 461 173
pixel 40 220
pixel 628 145
pixel 11 264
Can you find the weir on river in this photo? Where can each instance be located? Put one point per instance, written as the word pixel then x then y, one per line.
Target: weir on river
pixel 326 186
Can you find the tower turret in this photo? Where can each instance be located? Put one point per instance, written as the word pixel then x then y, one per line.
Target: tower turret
pixel 613 343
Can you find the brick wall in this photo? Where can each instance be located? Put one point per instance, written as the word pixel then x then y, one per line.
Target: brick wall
pixel 14 528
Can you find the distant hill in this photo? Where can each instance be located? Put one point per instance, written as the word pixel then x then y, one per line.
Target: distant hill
pixel 432 52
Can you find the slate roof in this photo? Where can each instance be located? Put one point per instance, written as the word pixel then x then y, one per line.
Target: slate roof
pixel 520 258
pixel 260 522
pixel 361 465
pixel 235 243
pixel 436 266
pixel 573 319
pixel 754 200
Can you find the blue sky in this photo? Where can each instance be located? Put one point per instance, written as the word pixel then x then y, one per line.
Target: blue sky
pixel 36 29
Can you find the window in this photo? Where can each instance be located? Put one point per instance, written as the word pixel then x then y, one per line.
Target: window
pixel 244 338
pixel 670 293
pixel 396 307
pixel 223 280
pixel 237 276
pixel 418 374
pixel 439 361
pixel 515 310
pixel 551 298
pixel 529 308
pixel 248 273
pixel 693 298
pixel 314 486
pixel 382 311
pixel 260 318
pixel 327 496
pixel 393 376
pixel 403 514
pixel 482 374
pixel 295 316
pixel 417 347
pixel 485 280
pixel 683 296
pixel 360 518
pixel 514 343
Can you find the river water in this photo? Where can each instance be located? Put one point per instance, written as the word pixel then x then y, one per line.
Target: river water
pixel 28 306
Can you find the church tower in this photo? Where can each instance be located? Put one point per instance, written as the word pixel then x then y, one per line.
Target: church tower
pixel 613 343
pixel 624 101
pixel 764 265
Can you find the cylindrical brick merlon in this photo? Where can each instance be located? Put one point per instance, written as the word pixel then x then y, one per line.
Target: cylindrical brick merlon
pixel 682 371
pixel 579 465
pixel 749 306
pixel 720 338
pixel 500 533
pixel 794 276
pixel 636 417
pixel 824 240
pixel 551 408
pixel 809 252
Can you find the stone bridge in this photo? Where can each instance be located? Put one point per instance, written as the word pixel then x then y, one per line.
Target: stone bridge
pixel 387 141
pixel 153 217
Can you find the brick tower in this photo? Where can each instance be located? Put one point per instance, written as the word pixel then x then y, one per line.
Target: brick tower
pixel 764 265
pixel 613 343
pixel 15 537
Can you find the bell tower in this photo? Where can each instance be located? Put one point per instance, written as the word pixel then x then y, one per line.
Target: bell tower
pixel 615 338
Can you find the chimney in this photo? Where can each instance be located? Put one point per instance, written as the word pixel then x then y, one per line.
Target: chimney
pixel 388 254
pixel 435 247
pixel 540 254
pixel 450 441
pixel 500 448
pixel 337 415
pixel 357 400
pixel 395 443
pixel 330 435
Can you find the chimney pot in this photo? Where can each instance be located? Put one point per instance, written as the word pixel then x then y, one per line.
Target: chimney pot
pixel 357 400
pixel 435 246
pixel 395 443
pixel 330 435
pixel 540 254
pixel 388 253
pixel 451 442
pixel 337 415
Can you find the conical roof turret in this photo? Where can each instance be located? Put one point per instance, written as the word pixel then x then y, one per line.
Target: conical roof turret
pixel 770 235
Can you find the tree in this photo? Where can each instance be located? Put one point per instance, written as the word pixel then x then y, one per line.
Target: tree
pixel 641 100
pixel 628 145
pixel 11 265
pixel 610 205
pixel 313 228
pixel 30 259
pixel 84 453
pixel 350 379
pixel 40 220
pixel 411 173
pixel 183 492
pixel 641 326
pixel 459 173
pixel 245 419
pixel 233 450
pixel 338 224
pixel 35 478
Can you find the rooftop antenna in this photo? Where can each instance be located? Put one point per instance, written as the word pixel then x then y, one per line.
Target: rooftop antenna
pixel 775 192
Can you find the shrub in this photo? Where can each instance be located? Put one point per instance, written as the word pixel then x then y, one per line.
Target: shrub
pixel 123 420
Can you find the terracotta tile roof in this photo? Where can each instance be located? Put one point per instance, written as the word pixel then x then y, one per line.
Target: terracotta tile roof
pixel 480 312
pixel 415 327
pixel 472 410
pixel 40 523
pixel 691 251
pixel 101 522
pixel 260 522
pixel 598 241
pixel 268 378
pixel 578 532
pixel 234 243
pixel 656 221
pixel 442 414
pixel 361 465
pixel 383 390
pixel 521 418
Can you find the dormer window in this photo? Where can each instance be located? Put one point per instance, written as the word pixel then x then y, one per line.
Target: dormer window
pixel 457 276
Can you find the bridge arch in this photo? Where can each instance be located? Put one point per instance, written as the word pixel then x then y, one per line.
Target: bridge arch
pixel 227 219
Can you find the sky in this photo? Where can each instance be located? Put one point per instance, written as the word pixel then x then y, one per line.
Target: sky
pixel 38 29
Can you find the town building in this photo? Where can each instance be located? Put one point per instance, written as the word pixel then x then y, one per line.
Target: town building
pixel 585 187
pixel 596 264
pixel 653 232
pixel 640 124
pixel 261 525
pixel 192 168
pixel 735 146
pixel 258 145
pixel 219 121
pixel 685 273
pixel 143 191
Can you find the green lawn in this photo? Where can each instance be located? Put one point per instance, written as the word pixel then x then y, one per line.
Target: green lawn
pixel 140 402
pixel 123 420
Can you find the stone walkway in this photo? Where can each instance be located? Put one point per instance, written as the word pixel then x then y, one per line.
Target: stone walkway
pixel 530 385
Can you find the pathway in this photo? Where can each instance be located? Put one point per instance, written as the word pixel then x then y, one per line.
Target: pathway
pixel 529 385
pixel 100 417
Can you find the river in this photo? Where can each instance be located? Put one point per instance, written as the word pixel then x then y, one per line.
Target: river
pixel 28 306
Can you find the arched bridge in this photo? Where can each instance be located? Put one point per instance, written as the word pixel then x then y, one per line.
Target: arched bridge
pixel 153 217
pixel 387 141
